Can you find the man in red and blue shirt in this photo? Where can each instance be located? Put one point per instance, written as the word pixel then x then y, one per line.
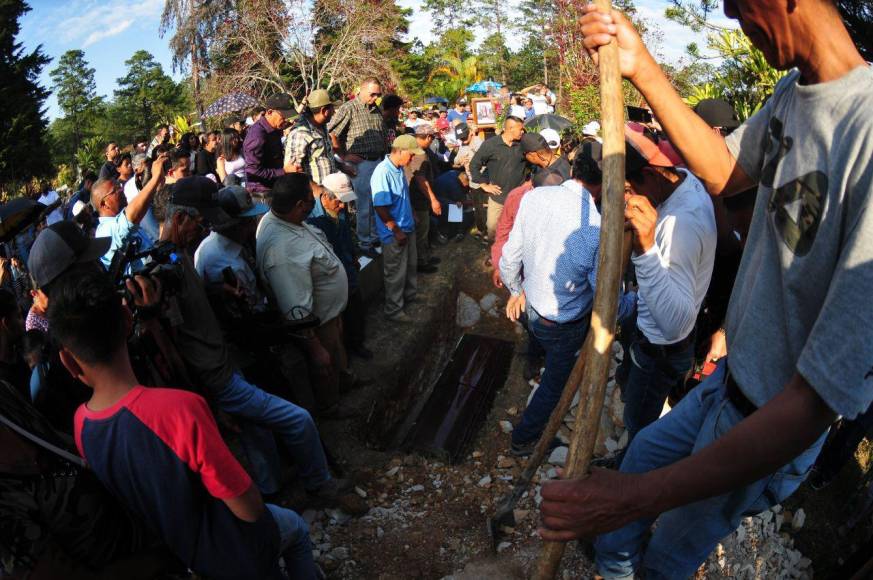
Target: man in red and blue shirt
pixel 159 450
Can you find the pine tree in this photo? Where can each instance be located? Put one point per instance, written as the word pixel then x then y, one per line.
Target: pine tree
pixel 76 91
pixel 23 151
pixel 145 95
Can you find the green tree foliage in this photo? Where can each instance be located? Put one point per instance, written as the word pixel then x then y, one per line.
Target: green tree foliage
pixel 144 97
pixel 89 155
pixel 22 122
pixel 74 86
pixel 453 76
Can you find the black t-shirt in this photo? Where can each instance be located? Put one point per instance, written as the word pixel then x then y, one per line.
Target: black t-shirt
pixel 204 163
pixel 555 174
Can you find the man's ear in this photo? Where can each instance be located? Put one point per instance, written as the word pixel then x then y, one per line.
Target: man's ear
pixel 71 364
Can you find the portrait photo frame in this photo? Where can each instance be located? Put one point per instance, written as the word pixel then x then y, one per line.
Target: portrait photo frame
pixel 484 112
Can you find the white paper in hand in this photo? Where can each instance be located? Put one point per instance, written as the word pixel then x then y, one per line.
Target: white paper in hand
pixel 456 214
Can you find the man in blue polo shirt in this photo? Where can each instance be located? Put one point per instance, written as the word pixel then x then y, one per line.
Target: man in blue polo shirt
pixel 395 224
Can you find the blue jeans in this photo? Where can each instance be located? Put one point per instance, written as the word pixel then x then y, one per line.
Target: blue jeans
pixel 294 543
pixel 366 220
pixel 561 342
pixel 291 423
pixel 685 536
pixel 649 382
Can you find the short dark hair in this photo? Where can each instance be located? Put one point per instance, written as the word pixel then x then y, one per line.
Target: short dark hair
pixel 290 189
pixel 86 316
pixel 162 126
pixel 391 102
pixel 513 118
pixel 161 202
pixel 89 176
pixel 585 165
pixel 34 341
pixel 124 156
pixel 215 132
pixel 176 156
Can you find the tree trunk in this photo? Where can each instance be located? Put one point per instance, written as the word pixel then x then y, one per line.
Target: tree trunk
pixel 195 77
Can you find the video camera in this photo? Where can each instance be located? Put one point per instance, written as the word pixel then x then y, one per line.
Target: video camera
pixel 160 261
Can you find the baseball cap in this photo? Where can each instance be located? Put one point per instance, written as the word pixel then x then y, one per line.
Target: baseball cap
pixel 58 247
pixel 533 142
pixel 340 186
pixel 717 113
pixel 462 131
pixel 442 124
pixel 424 130
pixel 641 150
pixel 552 138
pixel 592 128
pixel 317 99
pixel 237 202
pixel 200 193
pixel 407 143
pixel 281 102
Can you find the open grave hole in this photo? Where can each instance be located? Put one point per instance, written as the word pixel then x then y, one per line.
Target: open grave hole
pixel 445 387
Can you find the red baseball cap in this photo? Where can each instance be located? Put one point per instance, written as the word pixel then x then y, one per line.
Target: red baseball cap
pixel 642 150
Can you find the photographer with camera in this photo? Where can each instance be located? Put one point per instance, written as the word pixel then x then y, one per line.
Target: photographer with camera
pixel 181 210
pixel 115 220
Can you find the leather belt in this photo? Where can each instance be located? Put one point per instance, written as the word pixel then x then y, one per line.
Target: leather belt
pixel 736 396
pixel 659 350
pixel 546 322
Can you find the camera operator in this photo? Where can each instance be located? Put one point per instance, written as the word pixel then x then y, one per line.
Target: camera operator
pixel 181 210
pixel 116 221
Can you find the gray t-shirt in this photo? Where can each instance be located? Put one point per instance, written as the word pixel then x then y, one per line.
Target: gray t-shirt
pixel 800 300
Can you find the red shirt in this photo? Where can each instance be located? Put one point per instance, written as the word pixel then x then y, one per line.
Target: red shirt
pixel 507 220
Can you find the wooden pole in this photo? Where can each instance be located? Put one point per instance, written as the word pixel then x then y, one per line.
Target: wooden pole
pixel 596 371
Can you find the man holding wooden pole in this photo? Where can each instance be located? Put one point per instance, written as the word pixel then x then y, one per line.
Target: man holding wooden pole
pixel 798 328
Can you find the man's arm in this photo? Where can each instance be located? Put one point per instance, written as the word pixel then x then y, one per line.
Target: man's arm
pixel 249 506
pixel 139 206
pixel 295 149
pixel 480 159
pixel 253 153
pixel 703 150
pixel 756 447
pixel 337 129
pixel 384 213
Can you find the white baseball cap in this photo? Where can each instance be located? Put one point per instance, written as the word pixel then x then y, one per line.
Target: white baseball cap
pixel 340 186
pixel 552 138
pixel 592 128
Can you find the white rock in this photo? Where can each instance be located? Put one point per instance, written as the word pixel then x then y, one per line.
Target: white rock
pixel 622 441
pixel 360 492
pixel 776 508
pixel 468 311
pixel 338 516
pixel 488 302
pixel 559 456
pixel 551 473
pixel 799 519
pixel 340 553
pixel 485 481
pixel 611 445
pixel 392 472
pixel 766 516
pixel 503 546
pixel 416 488
pixel 741 534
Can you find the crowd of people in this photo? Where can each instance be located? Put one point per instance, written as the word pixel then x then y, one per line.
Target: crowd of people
pixel 209 286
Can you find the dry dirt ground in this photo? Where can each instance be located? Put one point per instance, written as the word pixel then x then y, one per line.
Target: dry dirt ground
pixel 427 518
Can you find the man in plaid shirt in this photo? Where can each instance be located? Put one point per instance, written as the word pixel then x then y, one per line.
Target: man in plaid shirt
pixel 309 148
pixel 358 135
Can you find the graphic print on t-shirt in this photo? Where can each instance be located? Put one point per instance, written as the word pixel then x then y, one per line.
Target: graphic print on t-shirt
pixel 796 206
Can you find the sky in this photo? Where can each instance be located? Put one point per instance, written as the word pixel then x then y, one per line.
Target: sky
pixel 109 33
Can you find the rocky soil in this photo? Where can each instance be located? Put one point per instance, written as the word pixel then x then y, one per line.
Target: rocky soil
pixel 427 519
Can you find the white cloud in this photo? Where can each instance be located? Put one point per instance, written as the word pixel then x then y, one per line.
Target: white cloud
pixel 99 35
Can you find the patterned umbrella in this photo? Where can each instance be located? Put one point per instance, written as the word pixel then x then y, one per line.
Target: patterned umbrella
pixel 230 103
pixel 483 87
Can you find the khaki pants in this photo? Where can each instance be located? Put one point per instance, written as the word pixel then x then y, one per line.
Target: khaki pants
pixel 399 265
pixel 422 231
pixel 495 208
pixel 330 334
